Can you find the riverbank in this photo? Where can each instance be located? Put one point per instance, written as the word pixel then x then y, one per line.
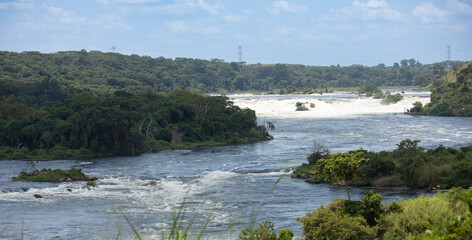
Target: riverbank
pixel 408 166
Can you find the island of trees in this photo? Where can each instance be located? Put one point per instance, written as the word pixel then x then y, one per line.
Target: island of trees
pixel 121 124
pixel 407 166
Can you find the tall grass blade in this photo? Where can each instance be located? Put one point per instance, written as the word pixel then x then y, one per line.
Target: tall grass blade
pixel 177 221
pixel 207 221
pixel 279 179
pixel 136 233
pixel 118 236
pixel 189 225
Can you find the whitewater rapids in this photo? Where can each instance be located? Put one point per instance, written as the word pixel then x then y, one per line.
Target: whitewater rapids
pixel 338 104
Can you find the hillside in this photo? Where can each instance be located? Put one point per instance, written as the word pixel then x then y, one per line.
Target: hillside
pixel 453 96
pixel 41 78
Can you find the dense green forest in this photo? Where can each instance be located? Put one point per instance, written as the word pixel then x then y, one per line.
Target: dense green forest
pixel 453 96
pixel 408 165
pixel 121 124
pixel 41 77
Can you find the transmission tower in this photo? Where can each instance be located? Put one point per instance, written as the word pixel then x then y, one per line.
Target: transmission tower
pixel 448 57
pixel 240 52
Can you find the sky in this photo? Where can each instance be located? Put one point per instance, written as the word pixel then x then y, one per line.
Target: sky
pixel 309 32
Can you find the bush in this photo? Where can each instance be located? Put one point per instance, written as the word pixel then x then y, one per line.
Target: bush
pixel 417 216
pixel 285 234
pixel 330 223
pixel 392 99
pixel 460 176
pixel 417 108
pixel 265 231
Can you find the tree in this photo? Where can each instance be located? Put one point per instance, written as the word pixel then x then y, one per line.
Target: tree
pixel 410 156
pixel 341 167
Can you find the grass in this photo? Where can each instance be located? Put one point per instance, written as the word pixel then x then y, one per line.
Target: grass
pixel 178 230
pixel 48 175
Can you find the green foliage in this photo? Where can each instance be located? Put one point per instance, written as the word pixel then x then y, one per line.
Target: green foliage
pixel 452 95
pixel 408 165
pixel 330 223
pixel 45 78
pixel 285 234
pixel 459 227
pixel 442 216
pixel 417 108
pixel 265 231
pixel 341 167
pixel 371 90
pixel 301 107
pixel 392 99
pixel 91 183
pixel 126 124
pixel 48 175
pixel 410 156
pixel 419 215
pixel 370 207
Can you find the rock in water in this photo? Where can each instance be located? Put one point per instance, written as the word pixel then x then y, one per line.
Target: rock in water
pixel 38 196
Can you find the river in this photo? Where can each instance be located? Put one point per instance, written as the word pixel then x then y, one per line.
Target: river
pixel 236 181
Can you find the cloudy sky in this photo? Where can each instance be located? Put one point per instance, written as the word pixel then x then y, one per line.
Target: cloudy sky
pixel 311 32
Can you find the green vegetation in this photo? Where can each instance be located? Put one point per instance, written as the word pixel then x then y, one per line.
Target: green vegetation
pixel 56 175
pixel 452 95
pixel 340 167
pixel 40 78
pixel 443 216
pixel 408 165
pixel 301 107
pixel 371 90
pixel 122 124
pixel 392 99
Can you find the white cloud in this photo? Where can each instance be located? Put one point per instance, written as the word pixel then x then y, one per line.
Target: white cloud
pixel 66 18
pixel 191 27
pixel 372 10
pixel 427 12
pixel 212 9
pixel 235 18
pixel 15 5
pixel 182 7
pixel 102 1
pixel 459 7
pixel 135 1
pixel 281 6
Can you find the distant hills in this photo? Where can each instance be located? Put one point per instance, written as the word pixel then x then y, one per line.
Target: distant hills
pixel 41 78
pixel 452 96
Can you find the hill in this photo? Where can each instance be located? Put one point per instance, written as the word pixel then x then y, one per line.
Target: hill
pixel 41 78
pixel 453 96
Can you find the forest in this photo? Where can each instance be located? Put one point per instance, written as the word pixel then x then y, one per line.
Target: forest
pixel 42 77
pixel 88 126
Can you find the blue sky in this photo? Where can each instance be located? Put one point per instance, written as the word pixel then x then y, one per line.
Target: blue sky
pixel 310 32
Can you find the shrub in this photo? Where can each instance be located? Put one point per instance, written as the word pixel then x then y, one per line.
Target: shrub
pixel 417 216
pixel 265 231
pixel 285 234
pixel 91 184
pixel 330 223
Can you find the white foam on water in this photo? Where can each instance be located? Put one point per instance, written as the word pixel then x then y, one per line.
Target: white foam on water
pixel 285 106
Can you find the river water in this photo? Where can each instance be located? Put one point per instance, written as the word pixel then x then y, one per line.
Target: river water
pixel 238 182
